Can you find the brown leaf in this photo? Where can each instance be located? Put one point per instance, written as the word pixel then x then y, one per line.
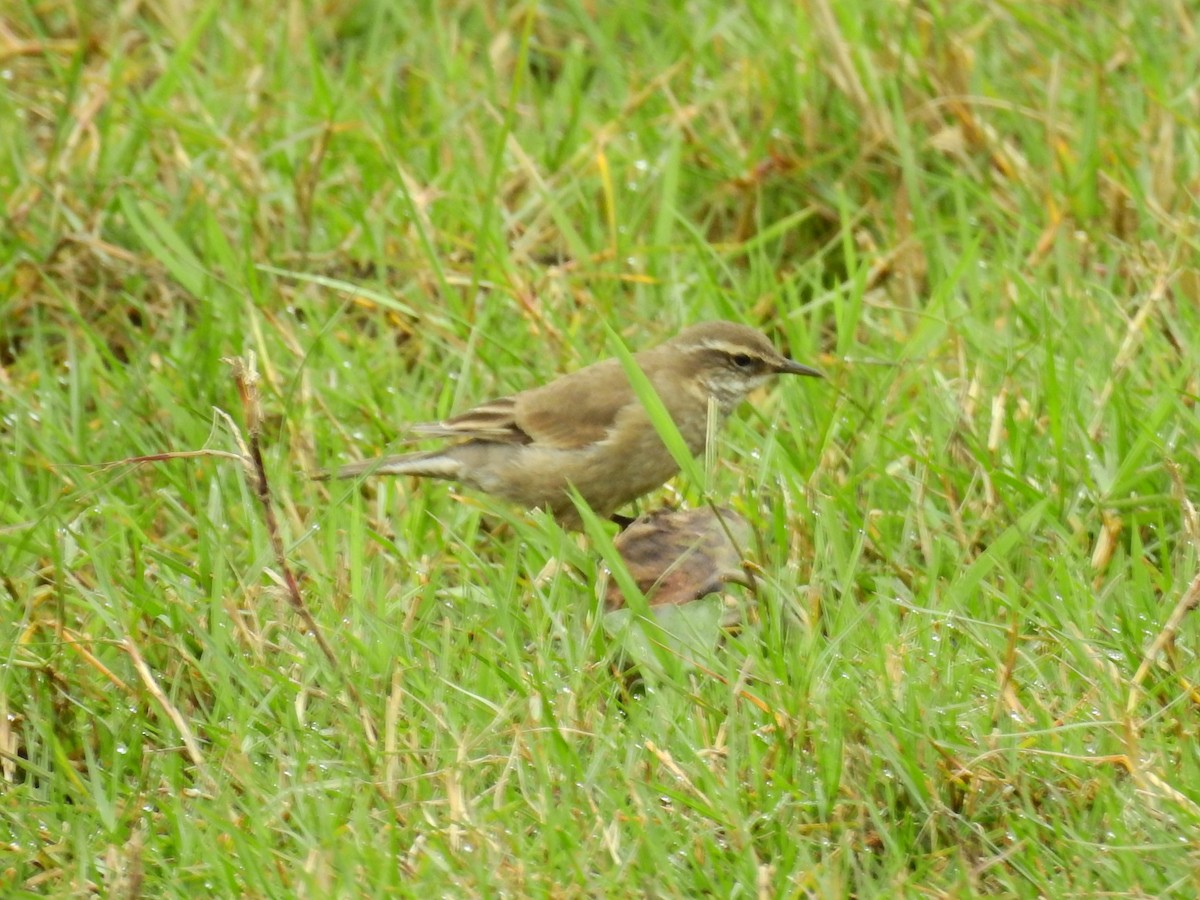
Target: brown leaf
pixel 680 556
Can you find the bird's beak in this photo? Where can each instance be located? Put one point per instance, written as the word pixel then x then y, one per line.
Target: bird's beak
pixel 791 367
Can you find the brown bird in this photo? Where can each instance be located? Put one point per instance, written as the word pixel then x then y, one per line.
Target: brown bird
pixel 589 430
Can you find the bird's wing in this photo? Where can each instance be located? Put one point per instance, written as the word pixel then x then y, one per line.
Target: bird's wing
pixel 577 409
pixel 569 412
pixel 492 421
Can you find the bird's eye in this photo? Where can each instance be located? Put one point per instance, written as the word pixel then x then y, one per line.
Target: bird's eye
pixel 743 360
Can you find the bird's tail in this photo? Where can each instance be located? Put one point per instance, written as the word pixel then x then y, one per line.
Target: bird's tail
pixel 429 464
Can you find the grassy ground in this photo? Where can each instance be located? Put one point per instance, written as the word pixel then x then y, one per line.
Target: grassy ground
pixel 967 670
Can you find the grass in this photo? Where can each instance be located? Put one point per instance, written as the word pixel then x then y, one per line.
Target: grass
pixel 970 669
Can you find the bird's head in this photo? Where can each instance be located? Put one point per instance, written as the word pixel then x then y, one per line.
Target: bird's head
pixel 727 361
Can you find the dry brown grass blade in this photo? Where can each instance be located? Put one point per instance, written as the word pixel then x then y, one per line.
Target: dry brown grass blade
pixel 190 744
pixel 1188 602
pixel 677 772
pixel 842 69
pixel 1006 696
pixel 1128 350
pixel 9 743
pixel 70 639
pixel 245 374
pixel 1151 783
pixel 171 455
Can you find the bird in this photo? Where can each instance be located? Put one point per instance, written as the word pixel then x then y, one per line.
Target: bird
pixel 588 429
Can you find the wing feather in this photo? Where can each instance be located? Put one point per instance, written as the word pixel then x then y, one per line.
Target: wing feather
pixel 577 409
pixel 492 421
pixel 569 412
